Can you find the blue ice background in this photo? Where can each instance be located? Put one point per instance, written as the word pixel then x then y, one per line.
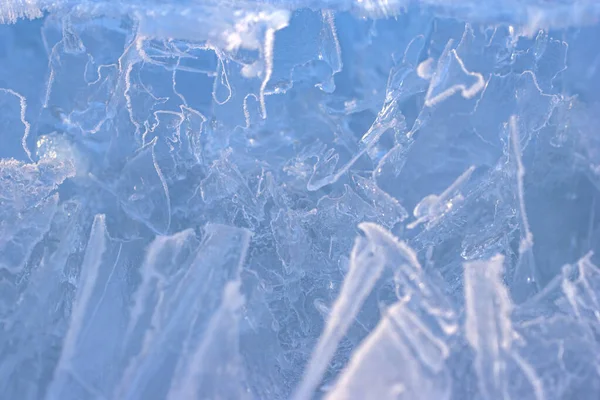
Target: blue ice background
pixel 272 200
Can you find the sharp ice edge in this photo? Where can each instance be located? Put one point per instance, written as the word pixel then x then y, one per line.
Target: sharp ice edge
pixel 365 267
pixel 490 333
pixel 208 200
pixel 413 332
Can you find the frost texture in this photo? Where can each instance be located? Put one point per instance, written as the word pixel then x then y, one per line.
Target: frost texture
pixel 307 199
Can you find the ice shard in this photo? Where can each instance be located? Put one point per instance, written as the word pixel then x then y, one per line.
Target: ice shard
pixel 193 298
pixel 404 357
pixel 365 268
pixel 492 338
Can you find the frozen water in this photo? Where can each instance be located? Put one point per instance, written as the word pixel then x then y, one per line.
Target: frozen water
pixel 305 199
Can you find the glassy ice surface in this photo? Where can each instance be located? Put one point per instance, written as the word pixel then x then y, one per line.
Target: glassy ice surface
pixel 306 199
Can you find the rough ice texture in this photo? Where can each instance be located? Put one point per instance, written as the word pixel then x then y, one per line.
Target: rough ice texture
pixel 337 199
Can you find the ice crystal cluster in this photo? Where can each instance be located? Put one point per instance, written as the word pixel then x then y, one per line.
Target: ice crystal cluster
pixel 299 199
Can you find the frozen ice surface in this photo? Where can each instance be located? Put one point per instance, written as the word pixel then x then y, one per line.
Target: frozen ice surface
pixel 303 199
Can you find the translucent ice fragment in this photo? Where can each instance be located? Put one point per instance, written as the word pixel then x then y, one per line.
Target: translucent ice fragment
pixel 330 46
pixel 581 286
pixel 404 357
pixel 165 261
pixel 423 324
pixel 223 181
pixel 32 329
pixel 559 326
pixel 432 207
pixel 391 164
pixel 179 316
pixel 324 172
pixel 389 364
pixel 525 275
pixel 27 205
pixel 493 228
pixel 143 192
pixel 564 354
pixel 533 106
pixel 411 282
pixel 366 265
pixel 450 77
pixel 389 210
pixel 403 83
pixel 292 240
pixel 488 325
pixel 527 240
pixel 489 329
pixel 244 25
pixel 116 348
pixel 329 49
pixel 193 127
pixel 226 183
pixel 510 94
pixel 348 204
pixel 98 274
pixel 213 369
pixel 494 107
pixel 106 329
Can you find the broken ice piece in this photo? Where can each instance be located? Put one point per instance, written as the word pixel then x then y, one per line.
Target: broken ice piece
pixel 27 205
pixel 366 265
pixel 182 311
pixel 75 375
pixel 388 364
pixel 489 330
pixel 403 83
pixel 581 285
pixel 389 210
pixel 412 333
pixel 213 370
pixel 405 356
pixel 143 192
pixel 534 108
pixel 450 77
pixel 488 325
pixel 432 207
